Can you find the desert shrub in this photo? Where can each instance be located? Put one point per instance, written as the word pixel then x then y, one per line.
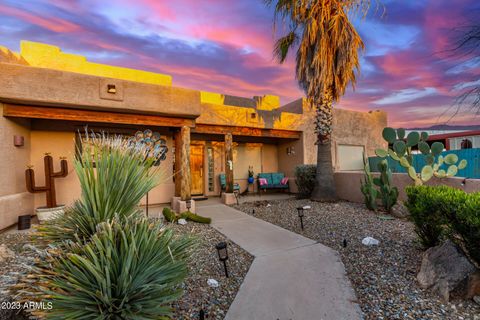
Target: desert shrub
pixel 465 223
pixel 127 271
pixel 446 211
pixel 114 176
pixel 305 179
pixel 426 214
pixel 105 260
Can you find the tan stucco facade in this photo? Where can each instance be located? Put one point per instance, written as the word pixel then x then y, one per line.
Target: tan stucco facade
pixel 47 96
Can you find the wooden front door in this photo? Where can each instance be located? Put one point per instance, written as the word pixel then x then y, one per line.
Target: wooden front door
pixel 196 169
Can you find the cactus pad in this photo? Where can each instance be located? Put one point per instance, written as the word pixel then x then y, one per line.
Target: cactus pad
pixel 437 148
pixel 399 147
pixel 451 158
pixel 424 147
pixel 389 134
pixel 413 138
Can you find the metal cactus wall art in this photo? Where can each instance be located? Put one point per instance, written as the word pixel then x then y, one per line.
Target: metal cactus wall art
pixel 50 175
pixel 402 148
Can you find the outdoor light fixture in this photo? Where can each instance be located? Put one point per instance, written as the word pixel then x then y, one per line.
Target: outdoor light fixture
pixel 18 141
pixel 223 255
pixel 111 88
pixel 464 182
pixel 301 213
pixel 188 203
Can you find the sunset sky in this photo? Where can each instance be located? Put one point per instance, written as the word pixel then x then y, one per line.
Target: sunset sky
pixel 225 46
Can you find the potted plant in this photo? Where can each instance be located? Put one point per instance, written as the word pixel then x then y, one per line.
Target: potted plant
pixel 250 175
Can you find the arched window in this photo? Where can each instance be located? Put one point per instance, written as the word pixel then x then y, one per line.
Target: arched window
pixel 466 144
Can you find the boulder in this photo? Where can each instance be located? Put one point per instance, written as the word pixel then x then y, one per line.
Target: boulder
pixel 473 285
pixel 399 210
pixel 444 268
pixel 5 253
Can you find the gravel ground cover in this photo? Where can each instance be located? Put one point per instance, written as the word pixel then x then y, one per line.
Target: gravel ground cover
pixel 383 276
pixel 203 265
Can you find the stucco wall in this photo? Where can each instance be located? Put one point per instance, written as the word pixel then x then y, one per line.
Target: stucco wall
pixel 68 188
pixel 14 198
pixel 31 85
pixel 348 184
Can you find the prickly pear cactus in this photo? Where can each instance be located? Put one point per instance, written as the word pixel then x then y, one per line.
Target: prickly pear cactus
pixel 401 151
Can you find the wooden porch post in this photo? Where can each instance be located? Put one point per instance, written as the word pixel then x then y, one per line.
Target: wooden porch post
pixel 229 162
pixel 182 164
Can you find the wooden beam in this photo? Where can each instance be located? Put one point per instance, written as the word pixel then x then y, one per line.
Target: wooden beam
pixel 38 112
pixel 229 163
pixel 246 131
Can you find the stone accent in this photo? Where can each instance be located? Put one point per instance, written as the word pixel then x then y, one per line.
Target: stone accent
pixel 180 206
pixel 228 198
pixel 443 269
pixel 400 211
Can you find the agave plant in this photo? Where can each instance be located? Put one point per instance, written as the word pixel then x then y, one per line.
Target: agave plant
pixel 114 176
pixel 129 270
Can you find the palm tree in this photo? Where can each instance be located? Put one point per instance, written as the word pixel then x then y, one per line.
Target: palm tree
pixel 326 62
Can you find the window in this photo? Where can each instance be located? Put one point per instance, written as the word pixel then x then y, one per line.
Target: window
pixel 211 170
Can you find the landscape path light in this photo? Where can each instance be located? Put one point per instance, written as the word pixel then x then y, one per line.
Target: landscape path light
pixel 301 213
pixel 223 255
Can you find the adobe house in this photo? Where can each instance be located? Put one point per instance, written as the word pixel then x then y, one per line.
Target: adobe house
pixel 47 97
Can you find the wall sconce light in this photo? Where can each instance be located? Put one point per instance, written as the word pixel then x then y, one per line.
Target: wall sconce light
pixel 111 88
pixel 188 204
pixel 223 255
pixel 18 141
pixel 290 151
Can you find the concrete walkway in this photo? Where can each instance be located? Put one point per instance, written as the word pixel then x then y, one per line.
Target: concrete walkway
pixel 291 278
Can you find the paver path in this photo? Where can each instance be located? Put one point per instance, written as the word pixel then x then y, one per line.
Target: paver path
pixel 292 277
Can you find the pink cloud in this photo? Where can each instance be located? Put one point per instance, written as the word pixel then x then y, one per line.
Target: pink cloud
pixel 51 23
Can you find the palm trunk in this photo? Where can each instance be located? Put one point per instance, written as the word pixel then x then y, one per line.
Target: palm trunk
pixel 325 183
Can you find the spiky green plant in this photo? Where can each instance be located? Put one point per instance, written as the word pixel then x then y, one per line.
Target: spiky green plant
pixel 368 187
pixel 114 176
pixel 129 270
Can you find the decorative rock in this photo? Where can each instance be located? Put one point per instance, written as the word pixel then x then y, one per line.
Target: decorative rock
pixel 182 221
pixel 443 269
pixel 400 211
pixel 473 285
pixel 5 253
pixel 212 283
pixel 369 241
pixel 477 299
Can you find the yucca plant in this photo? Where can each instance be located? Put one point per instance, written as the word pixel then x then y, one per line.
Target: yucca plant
pixel 129 270
pixel 114 176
